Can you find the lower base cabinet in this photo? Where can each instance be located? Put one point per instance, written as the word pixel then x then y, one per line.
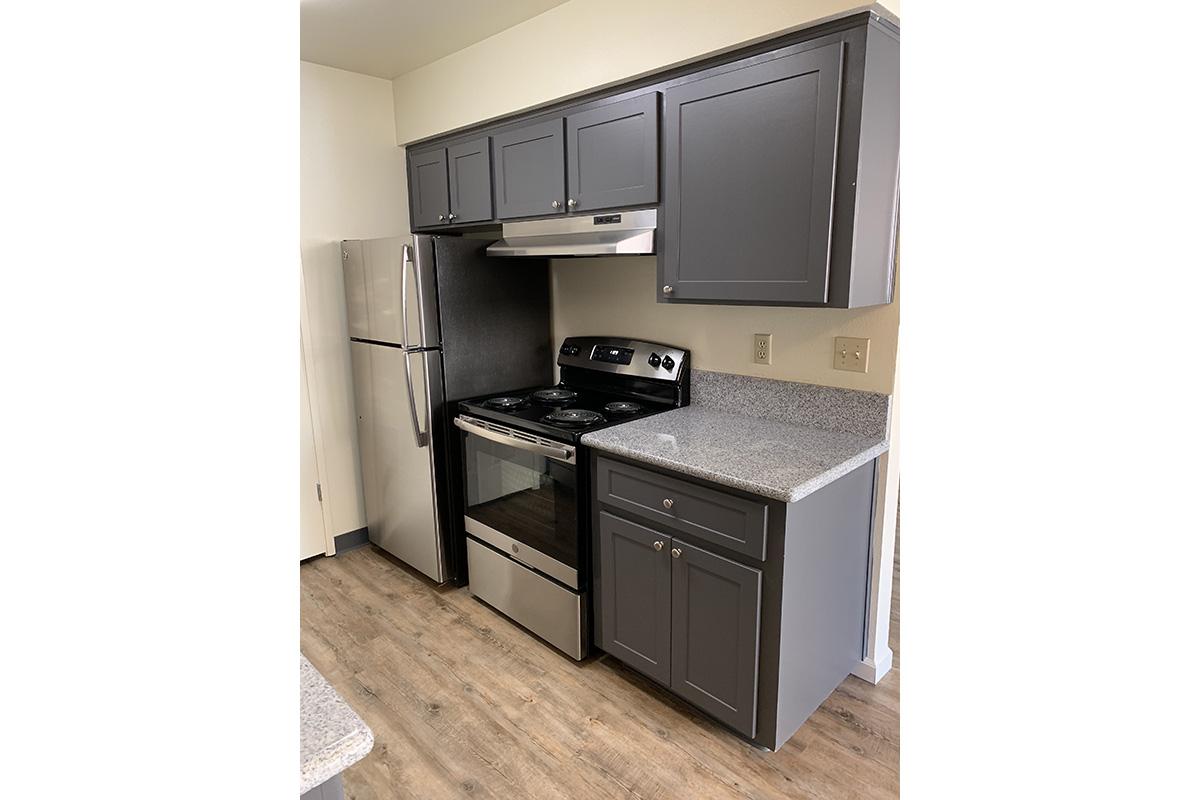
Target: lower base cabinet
pixel 683 616
pixel 636 605
pixel 756 643
pixel 715 606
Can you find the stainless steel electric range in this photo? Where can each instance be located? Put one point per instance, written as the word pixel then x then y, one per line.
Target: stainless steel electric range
pixel 527 482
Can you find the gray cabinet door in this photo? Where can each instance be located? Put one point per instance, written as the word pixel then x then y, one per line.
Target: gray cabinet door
pixel 612 155
pixel 714 634
pixel 635 592
pixel 428 188
pixel 528 172
pixel 470 166
pixel 749 172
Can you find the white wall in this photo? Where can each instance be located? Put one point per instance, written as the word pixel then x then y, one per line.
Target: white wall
pixel 606 296
pixel 352 181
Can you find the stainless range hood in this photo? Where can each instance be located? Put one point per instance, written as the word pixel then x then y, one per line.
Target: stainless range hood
pixel 618 233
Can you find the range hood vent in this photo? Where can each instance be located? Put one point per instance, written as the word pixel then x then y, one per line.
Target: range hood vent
pixel 619 233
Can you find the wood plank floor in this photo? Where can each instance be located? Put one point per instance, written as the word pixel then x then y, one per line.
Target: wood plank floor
pixel 465 704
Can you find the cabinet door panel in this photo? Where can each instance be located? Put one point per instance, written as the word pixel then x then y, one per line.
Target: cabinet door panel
pixel 635 589
pixel 612 154
pixel 528 171
pixel 752 151
pixel 715 609
pixel 428 187
pixel 470 166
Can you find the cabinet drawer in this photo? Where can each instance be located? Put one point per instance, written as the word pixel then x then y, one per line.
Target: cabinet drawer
pixel 735 523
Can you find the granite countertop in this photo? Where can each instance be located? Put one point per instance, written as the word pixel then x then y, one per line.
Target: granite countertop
pixel 332 736
pixel 772 458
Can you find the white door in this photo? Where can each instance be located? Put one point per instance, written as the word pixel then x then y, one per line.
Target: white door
pixel 312 519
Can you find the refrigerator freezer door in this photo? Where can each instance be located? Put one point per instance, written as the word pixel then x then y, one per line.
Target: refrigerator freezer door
pixel 355 279
pixel 400 290
pixel 406 522
pixel 385 276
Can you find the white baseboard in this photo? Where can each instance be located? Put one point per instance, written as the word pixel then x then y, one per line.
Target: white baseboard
pixel 873 670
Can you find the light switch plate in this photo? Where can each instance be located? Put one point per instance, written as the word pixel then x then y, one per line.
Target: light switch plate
pixel 850 353
pixel 762 348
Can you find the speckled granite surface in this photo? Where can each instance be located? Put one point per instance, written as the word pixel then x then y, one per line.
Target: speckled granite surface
pixel 778 439
pixel 332 736
pixel 845 410
pixel 765 457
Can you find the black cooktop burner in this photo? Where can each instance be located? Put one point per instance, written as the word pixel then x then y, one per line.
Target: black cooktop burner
pixel 573 417
pixel 505 403
pixel 555 395
pixel 622 407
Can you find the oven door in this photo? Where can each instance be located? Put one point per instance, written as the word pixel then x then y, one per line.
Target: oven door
pixel 521 497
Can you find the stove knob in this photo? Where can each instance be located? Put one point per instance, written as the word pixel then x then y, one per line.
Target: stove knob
pixel 654 360
pixel 668 363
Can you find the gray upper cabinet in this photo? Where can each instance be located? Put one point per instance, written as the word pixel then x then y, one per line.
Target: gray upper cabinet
pixel 715 609
pixel 528 172
pixel 635 577
pixel 612 155
pixel 470 171
pixel 775 169
pixel 749 173
pixel 429 193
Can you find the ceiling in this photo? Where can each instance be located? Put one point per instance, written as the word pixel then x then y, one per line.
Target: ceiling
pixel 386 38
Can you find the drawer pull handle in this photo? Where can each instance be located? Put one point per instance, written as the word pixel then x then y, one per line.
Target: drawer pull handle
pixel 667 503
pixel 676 552
pixel 658 546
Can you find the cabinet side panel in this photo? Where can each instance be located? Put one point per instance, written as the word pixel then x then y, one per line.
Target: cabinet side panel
pixel 824 594
pixel 876 202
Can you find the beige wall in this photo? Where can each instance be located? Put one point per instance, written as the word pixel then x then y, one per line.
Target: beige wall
pixel 616 296
pixel 352 181
pixel 584 44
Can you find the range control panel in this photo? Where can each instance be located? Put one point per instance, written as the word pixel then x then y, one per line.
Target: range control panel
pixel 624 356
pixel 613 355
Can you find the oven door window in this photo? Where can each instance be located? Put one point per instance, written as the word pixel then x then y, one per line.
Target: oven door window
pixel 523 495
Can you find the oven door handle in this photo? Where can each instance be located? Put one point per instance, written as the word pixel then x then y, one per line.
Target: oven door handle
pixel 566 454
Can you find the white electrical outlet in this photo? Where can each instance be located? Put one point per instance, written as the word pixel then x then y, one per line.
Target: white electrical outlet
pixel 762 348
pixel 850 353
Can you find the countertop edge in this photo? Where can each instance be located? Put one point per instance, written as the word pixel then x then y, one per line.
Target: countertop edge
pixel 798 492
pixel 335 758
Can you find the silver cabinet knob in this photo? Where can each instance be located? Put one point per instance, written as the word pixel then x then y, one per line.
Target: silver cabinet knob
pixel 571 202
pixel 658 546
pixel 676 552
pixel 441 217
pixel 668 289
pixel 555 204
pixel 667 503
pixel 451 217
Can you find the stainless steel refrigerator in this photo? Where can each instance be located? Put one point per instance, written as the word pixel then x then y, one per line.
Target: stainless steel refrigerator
pixel 434 321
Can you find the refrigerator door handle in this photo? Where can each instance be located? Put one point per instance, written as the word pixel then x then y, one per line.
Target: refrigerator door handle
pixel 405 260
pixel 421 437
pixel 417 270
